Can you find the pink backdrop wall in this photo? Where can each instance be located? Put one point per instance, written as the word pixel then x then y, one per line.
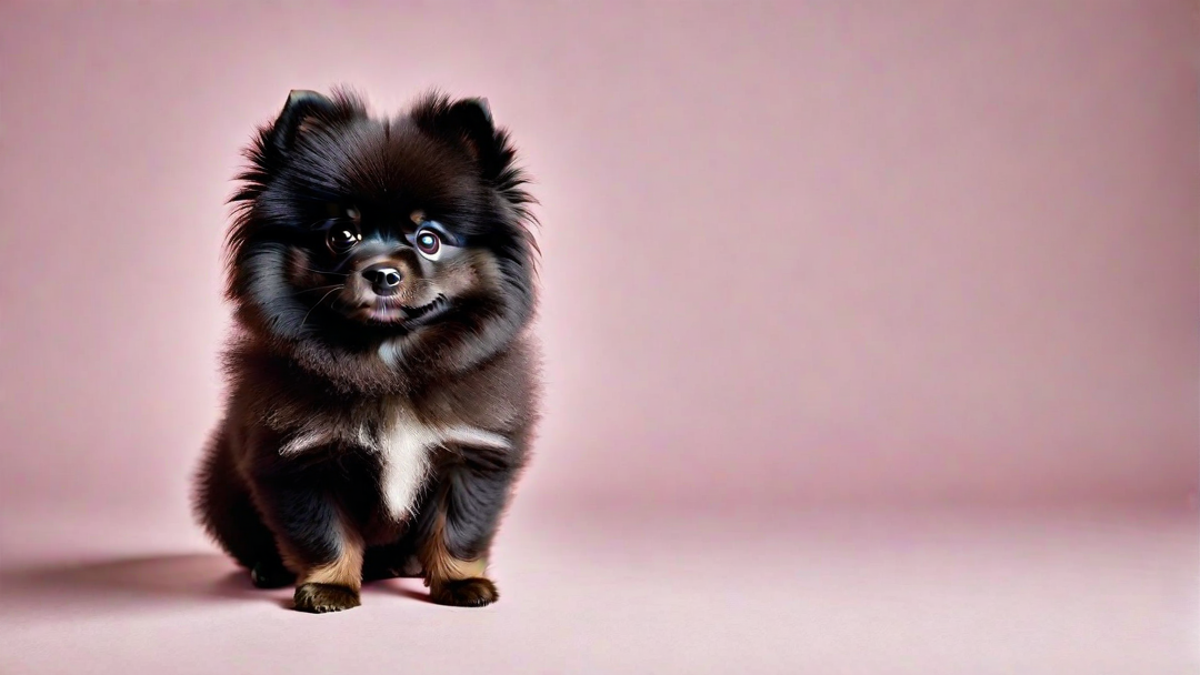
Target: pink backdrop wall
pixel 830 251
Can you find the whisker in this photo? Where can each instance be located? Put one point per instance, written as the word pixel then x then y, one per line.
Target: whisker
pixel 331 274
pixel 318 303
pixel 320 288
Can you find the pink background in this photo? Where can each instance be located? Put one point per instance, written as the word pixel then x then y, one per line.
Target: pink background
pixel 812 254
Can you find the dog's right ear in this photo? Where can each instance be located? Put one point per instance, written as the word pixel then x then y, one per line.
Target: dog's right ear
pixel 302 107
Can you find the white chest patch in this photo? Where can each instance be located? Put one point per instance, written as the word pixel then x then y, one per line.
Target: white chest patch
pixel 404 451
pixel 312 436
pixel 404 454
pixel 404 448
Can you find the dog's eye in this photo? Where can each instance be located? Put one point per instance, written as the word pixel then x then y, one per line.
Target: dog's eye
pixel 342 238
pixel 429 244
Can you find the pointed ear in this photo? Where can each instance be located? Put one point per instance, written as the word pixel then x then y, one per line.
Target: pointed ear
pixel 468 124
pixel 302 105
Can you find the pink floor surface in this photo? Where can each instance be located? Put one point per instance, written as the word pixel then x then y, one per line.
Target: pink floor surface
pixel 1092 592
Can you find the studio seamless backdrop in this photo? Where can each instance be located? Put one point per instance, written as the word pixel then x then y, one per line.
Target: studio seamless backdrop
pixel 791 252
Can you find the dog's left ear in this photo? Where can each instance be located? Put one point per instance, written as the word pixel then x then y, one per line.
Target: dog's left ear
pixel 468 124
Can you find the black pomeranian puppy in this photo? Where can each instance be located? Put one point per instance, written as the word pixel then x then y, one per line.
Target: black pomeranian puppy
pixel 382 378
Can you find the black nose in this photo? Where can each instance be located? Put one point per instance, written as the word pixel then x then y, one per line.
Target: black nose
pixel 384 280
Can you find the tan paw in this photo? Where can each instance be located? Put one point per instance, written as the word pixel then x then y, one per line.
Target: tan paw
pixel 475 592
pixel 322 598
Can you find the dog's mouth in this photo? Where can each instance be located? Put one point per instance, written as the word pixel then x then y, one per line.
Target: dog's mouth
pixel 385 311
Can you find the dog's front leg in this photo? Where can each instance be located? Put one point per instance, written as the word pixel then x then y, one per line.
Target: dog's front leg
pixel 460 523
pixel 315 540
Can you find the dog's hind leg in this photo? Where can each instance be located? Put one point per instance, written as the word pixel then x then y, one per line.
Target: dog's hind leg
pixel 222 503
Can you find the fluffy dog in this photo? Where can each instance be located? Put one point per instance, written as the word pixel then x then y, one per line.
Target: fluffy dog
pixel 382 379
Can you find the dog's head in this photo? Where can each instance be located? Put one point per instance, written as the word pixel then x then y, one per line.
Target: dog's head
pixel 400 242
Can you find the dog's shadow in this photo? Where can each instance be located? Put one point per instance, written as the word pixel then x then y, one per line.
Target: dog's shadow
pixel 195 577
pixel 144 582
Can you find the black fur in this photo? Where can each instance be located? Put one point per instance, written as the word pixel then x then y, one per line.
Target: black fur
pixel 324 364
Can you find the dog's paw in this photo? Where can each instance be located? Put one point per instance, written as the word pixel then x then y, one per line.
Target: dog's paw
pixel 475 592
pixel 271 576
pixel 322 598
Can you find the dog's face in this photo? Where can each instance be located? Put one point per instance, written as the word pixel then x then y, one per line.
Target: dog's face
pixel 386 262
pixel 394 239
